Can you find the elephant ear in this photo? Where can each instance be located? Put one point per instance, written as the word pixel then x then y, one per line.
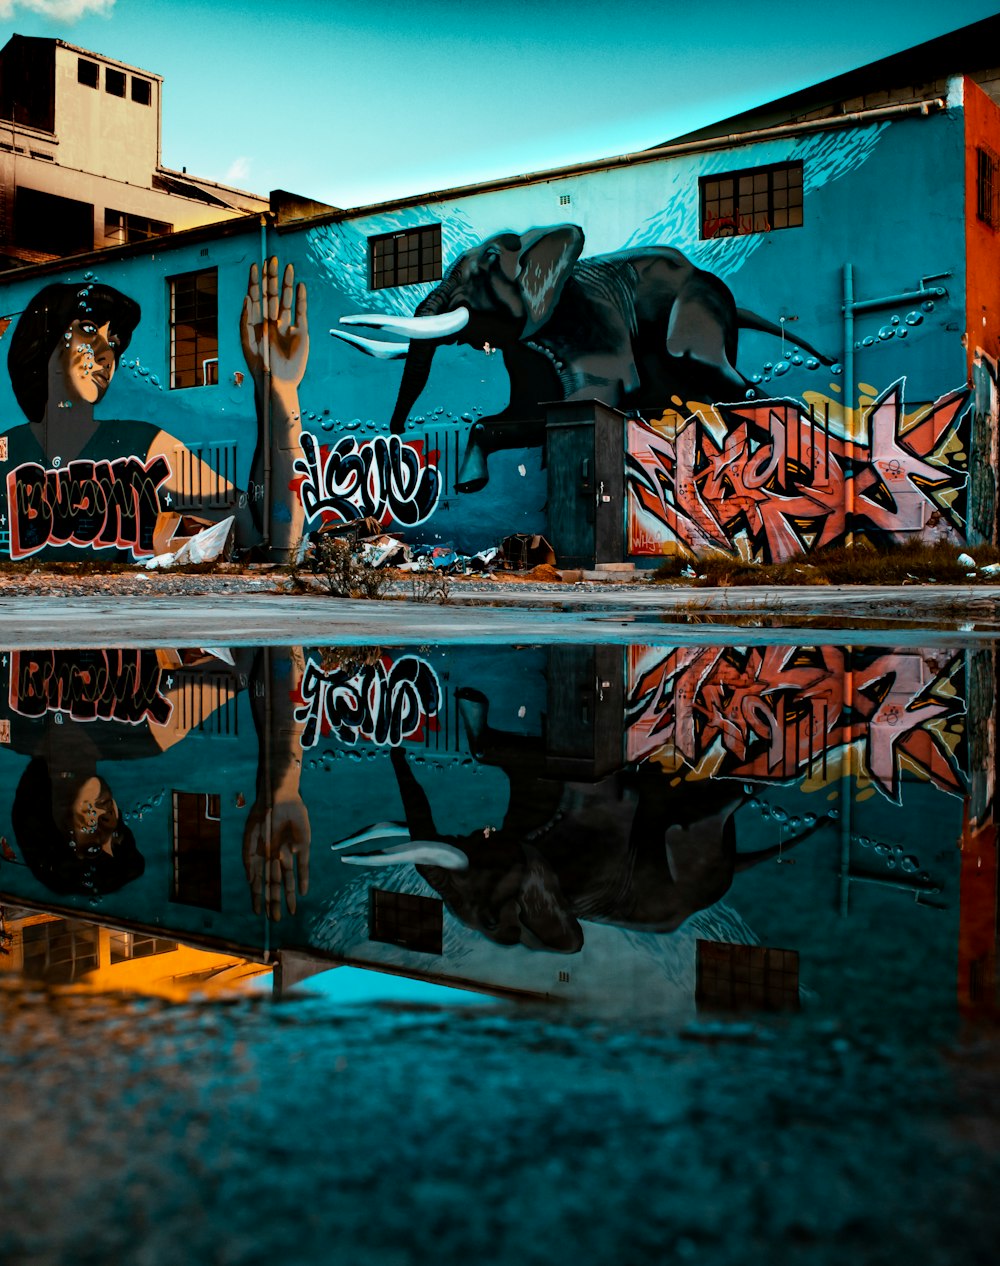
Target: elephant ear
pixel 545 264
pixel 546 917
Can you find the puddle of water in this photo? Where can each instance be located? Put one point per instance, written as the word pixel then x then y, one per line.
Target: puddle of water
pixel 403 949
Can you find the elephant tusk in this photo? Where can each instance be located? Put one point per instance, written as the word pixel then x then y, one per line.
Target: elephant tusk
pixel 420 852
pixel 371 346
pixel 423 327
pixel 377 831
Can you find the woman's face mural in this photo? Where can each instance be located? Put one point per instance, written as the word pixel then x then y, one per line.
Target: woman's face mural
pixel 83 363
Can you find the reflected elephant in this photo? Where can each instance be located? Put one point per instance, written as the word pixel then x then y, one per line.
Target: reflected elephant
pixel 629 850
pixel 633 329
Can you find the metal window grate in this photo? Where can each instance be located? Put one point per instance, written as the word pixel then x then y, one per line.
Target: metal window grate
pixel 204 477
pixel 755 200
pixel 988 186
pixel 403 259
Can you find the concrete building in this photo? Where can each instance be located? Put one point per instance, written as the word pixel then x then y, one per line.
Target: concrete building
pixel 80 162
pixel 777 334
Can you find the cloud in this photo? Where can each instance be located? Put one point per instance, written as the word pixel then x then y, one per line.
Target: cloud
pixel 238 169
pixel 61 10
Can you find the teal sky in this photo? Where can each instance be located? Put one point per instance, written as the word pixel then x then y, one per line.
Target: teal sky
pixel 354 101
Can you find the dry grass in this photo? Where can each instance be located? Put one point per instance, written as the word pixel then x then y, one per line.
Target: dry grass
pixel 914 562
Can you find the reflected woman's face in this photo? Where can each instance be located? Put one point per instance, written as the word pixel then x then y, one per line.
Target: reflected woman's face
pixel 85 362
pixel 94 819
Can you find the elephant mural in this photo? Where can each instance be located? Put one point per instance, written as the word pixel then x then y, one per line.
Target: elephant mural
pixel 632 329
pixel 628 850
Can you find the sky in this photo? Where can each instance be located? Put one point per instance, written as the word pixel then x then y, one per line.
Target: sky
pixel 352 102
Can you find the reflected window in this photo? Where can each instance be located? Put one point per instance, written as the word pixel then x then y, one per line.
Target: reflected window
pixel 60 951
pixel 737 977
pixel 405 919
pixel 125 946
pixel 194 329
pixel 197 877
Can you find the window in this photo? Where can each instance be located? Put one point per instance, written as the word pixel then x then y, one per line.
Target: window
pixel 754 201
pixel 60 951
pixel 988 187
pixel 125 946
pixel 405 919
pixel 114 82
pixel 401 259
pixel 87 72
pixel 197 878
pixel 142 91
pixel 122 226
pixel 47 222
pixel 194 329
pixel 746 976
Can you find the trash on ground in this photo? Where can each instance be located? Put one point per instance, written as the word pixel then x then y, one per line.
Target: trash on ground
pixel 521 552
pixel 207 545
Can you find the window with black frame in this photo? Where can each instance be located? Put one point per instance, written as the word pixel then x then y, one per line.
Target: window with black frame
pixel 755 200
pixel 194 329
pixel 405 258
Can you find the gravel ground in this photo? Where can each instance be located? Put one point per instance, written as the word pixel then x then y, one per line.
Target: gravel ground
pixel 301 1132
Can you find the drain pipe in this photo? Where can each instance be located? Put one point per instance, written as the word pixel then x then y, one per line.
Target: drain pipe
pixel 265 356
pixel 849 395
pixel 851 307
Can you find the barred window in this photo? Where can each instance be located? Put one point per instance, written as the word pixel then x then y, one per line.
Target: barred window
pixel 756 200
pixel 402 259
pixel 988 186
pixel 194 329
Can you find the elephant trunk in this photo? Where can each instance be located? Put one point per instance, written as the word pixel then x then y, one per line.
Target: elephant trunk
pixel 414 380
pixel 419 356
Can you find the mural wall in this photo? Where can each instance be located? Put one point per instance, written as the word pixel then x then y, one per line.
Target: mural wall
pixel 787 382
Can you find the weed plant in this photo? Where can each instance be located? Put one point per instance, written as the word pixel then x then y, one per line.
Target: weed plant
pixel 862 564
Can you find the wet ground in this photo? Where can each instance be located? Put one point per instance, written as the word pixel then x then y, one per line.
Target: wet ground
pixel 605 838
pixel 306 1131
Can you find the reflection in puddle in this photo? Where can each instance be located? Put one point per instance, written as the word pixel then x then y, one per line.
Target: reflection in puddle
pixel 637 841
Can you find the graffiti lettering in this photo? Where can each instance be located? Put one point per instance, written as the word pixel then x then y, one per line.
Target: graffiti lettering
pixel 89 685
pixel 778 479
pixel 385 702
pixel 382 478
pixel 96 505
pixel 780 713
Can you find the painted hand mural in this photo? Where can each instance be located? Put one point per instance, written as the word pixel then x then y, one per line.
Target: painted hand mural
pixel 633 329
pixel 274 335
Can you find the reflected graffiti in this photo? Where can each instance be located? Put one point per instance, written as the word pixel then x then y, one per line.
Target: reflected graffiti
pixel 385 702
pixel 774 477
pixel 779 713
pixel 107 685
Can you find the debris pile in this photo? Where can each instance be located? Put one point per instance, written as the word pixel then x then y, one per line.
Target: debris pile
pixel 372 547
